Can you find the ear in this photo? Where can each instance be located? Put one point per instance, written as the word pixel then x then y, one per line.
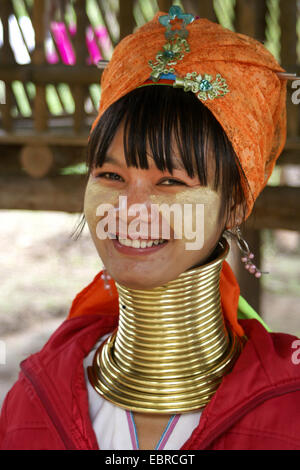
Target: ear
pixel 236 216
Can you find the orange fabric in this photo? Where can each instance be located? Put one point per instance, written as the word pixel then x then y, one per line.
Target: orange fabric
pixel 230 293
pixel 96 299
pixel 253 113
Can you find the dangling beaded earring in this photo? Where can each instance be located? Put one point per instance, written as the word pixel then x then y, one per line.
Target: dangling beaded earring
pixel 247 255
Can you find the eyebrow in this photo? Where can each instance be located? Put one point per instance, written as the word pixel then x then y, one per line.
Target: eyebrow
pixel 177 164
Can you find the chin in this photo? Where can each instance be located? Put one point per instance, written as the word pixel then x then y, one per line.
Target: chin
pixel 139 282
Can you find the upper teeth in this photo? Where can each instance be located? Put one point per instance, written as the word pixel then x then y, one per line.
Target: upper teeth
pixel 139 243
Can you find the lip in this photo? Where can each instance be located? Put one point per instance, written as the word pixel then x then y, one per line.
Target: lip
pixel 128 250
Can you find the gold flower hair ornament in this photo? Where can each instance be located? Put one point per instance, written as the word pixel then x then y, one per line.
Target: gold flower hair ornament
pixel 172 52
pixel 203 86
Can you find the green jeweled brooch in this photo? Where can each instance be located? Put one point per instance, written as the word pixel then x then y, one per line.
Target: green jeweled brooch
pixel 177 45
pixel 165 59
pixel 203 86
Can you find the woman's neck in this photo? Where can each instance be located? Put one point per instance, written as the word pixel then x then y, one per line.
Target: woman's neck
pixel 172 347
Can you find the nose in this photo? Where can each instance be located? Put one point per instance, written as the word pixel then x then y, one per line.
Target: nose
pixel 139 191
pixel 135 204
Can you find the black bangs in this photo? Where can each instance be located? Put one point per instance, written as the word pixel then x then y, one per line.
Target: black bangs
pixel 157 120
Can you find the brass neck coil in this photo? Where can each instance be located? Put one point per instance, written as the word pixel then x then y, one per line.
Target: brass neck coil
pixel 172 347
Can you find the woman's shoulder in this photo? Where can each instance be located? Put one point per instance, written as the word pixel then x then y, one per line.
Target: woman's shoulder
pixel 281 346
pixel 267 371
pixel 257 405
pixel 48 383
pixel 272 349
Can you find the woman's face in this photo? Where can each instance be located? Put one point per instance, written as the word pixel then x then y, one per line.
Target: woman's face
pixel 172 207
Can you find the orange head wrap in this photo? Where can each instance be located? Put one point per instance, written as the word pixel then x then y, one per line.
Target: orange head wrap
pixel 252 110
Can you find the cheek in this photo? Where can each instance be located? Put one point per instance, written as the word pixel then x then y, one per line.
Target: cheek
pixel 211 223
pixel 95 195
pixel 205 217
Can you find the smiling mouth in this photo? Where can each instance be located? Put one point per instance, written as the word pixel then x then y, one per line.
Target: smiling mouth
pixel 140 243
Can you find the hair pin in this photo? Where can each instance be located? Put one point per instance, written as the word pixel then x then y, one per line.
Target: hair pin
pixel 287 76
pixel 101 64
pixel 203 85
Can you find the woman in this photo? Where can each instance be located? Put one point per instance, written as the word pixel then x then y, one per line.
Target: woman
pixel 152 355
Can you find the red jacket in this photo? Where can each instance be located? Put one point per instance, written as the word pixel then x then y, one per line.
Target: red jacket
pixel 257 405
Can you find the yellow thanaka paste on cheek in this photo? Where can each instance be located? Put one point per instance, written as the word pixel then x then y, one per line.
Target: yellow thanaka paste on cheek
pixel 199 208
pixel 96 194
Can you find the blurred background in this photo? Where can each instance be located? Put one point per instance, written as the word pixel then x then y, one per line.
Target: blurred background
pixel 49 95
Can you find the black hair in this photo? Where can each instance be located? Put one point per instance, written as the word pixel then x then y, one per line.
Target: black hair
pixel 155 116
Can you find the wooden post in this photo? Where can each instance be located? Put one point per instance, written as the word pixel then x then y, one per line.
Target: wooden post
pixel 126 18
pixel 204 9
pixel 164 5
pixel 250 18
pixel 6 58
pixel 40 111
pixel 79 92
pixel 288 54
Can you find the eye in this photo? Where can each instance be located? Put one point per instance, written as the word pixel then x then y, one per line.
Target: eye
pixel 172 182
pixel 109 176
